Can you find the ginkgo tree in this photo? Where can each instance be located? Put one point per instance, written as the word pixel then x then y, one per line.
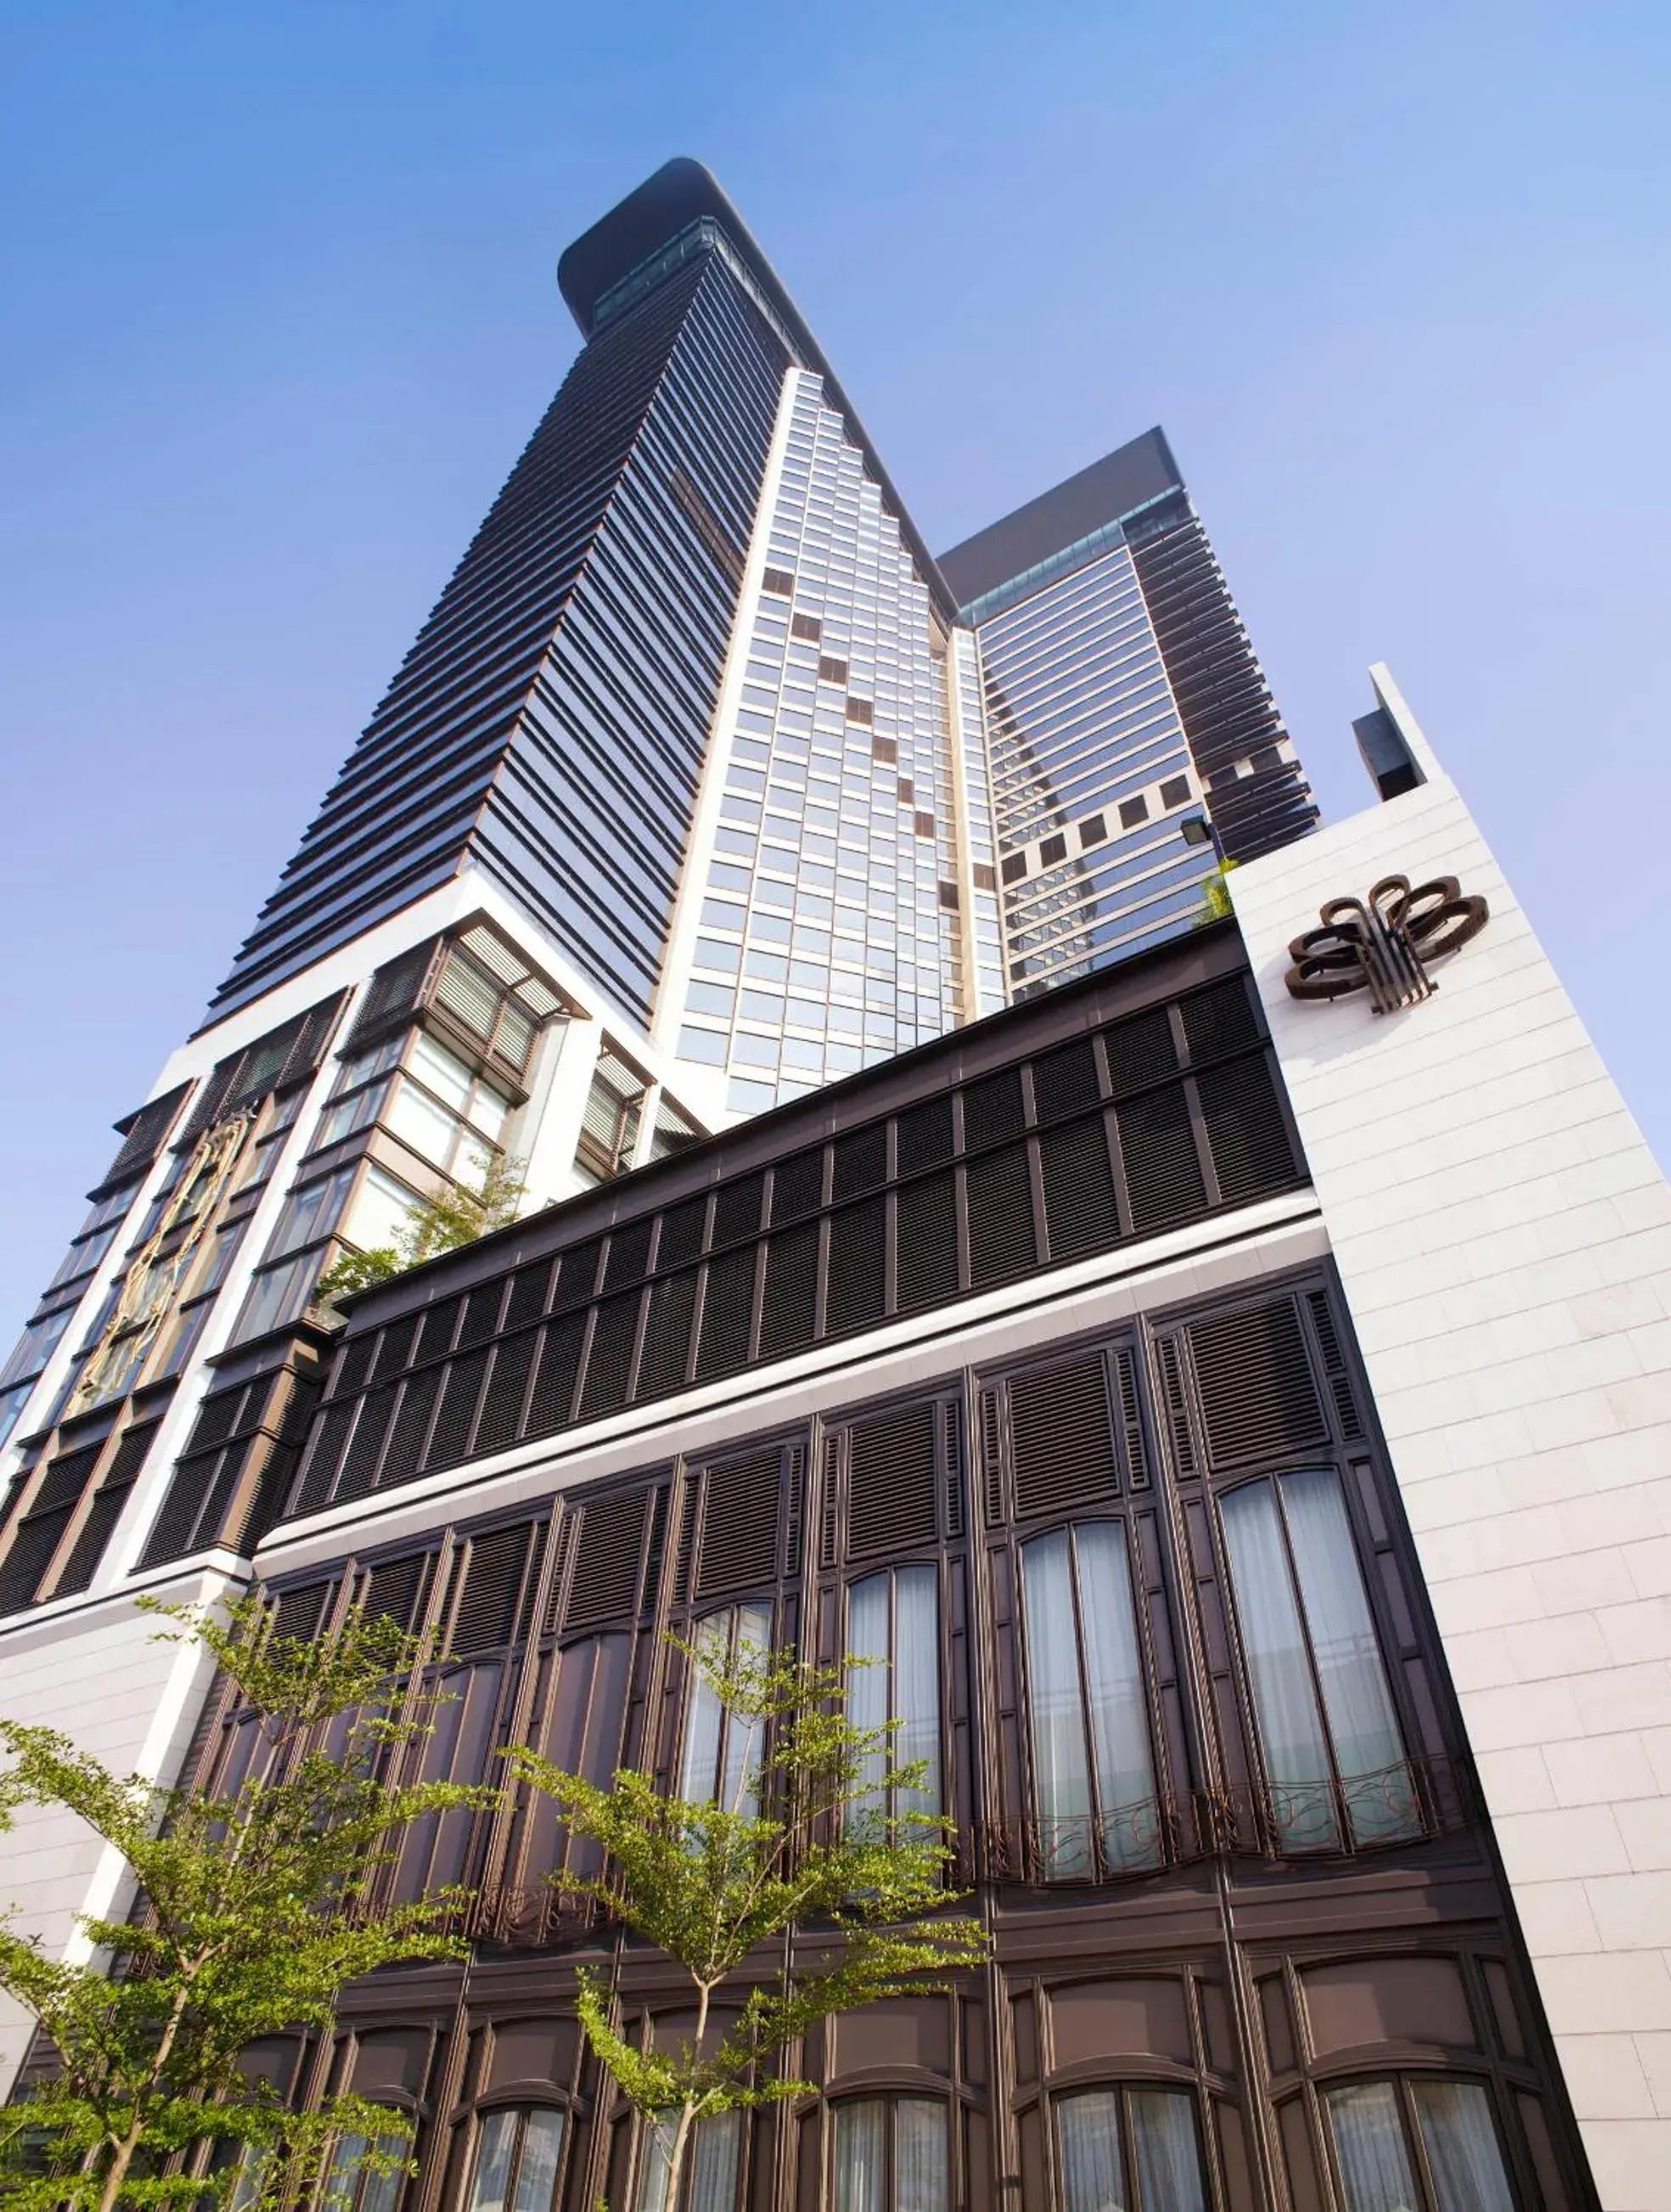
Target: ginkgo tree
pixel 814 1826
pixel 259 1902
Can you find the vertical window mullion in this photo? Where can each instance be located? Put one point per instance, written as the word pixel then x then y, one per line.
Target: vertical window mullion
pixel 1087 1734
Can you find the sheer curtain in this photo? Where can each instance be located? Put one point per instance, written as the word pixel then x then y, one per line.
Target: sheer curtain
pixel 859 2157
pixel 917 1681
pixel 1368 1749
pixel 1289 1725
pixel 921 2182
pixel 1165 2151
pixel 713 2164
pixel 493 2150
pixel 1463 2154
pixel 1061 1769
pixel 1369 2143
pixel 700 1770
pixel 868 1687
pixel 1114 1685
pixel 537 2170
pixel 1088 2126
pixel 740 1783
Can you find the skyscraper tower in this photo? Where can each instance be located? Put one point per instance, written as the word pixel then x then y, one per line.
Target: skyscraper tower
pixel 694 793
pixel 1124 705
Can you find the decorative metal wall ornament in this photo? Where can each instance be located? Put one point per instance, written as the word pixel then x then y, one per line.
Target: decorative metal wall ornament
pixel 1385 944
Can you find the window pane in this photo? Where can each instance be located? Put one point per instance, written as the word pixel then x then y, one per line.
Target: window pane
pixel 377 2191
pixel 1061 1767
pixel 868 1688
pixel 1374 2165
pixel 713 2162
pixel 493 2162
pixel 380 1211
pixel 700 1769
pixel 1165 2152
pixel 1463 2154
pixel 1114 1683
pixel 421 1122
pixel 917 1683
pixel 1090 2129
pixel 920 2161
pixel 740 1791
pixel 1368 1749
pixel 537 2176
pixel 1290 1725
pixel 439 1070
pixel 859 2157
pixel 341 2173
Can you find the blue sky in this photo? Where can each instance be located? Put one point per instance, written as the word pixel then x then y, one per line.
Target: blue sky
pixel 279 311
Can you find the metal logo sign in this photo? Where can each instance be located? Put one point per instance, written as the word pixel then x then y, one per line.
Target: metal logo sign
pixel 1384 944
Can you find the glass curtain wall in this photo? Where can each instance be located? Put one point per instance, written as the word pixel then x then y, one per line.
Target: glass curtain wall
pixel 827 942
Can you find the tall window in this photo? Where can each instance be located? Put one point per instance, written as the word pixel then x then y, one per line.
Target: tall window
pixel 894 1625
pixel 1130 2150
pixel 519 2156
pixel 1418 2146
pixel 709 2183
pixel 1093 1762
pixel 722 1752
pixel 1330 1739
pixel 353 2184
pixel 890 2156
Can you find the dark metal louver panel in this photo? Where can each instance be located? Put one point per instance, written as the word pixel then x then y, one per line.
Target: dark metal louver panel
pixel 1245 1131
pixel 1002 1241
pixel 891 1483
pixel 993 1110
pixel 789 1302
pixel 727 1314
pixel 736 1210
pixel 609 1361
pixel 145 1133
pixel 1257 1396
pixel 604 1581
pixel 857 1291
pixel 500 1421
pixel 1163 1177
pixel 1060 1439
pixel 490 1602
pixel 858 1162
pixel 394 1587
pixel 797 1188
pixel 924 1136
pixel 741 1508
pixel 1065 1080
pixel 665 1358
pixel 928 1242
pixel 1081 1213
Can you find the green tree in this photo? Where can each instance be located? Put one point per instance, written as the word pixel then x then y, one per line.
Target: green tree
pixel 819 1836
pixel 1215 896
pixel 259 1904
pixel 432 1226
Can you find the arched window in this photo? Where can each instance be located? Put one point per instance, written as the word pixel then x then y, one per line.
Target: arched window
pixel 1330 1735
pixel 365 2173
pixel 519 2159
pixel 1130 2149
pixel 894 1624
pixel 1093 1761
pixel 722 1752
pixel 713 2164
pixel 1410 2144
pixel 891 2156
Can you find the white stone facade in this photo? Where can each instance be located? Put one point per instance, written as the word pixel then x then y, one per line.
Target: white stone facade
pixel 1504 1236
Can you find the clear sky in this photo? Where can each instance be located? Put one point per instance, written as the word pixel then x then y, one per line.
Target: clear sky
pixel 278 313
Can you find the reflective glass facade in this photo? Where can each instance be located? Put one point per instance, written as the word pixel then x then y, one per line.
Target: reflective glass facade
pixel 831 923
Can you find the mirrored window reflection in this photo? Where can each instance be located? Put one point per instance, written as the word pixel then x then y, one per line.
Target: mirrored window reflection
pixel 365 2173
pixel 1093 1764
pixel 1376 2152
pixel 891 2156
pixel 1327 1731
pixel 1130 2150
pixel 712 2165
pixel 518 2153
pixel 723 1748
pixel 894 1630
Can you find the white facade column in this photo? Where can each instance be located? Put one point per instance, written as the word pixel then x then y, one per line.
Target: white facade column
pixel 1503 1236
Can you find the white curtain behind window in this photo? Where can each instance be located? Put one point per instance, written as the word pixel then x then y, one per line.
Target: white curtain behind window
pixel 1289 1725
pixel 1061 1769
pixel 700 1768
pixel 920 2157
pixel 537 2175
pixel 1114 1686
pixel 917 1682
pixel 493 2162
pixel 1369 2143
pixel 1368 1749
pixel 1165 2152
pixel 1463 2154
pixel 1088 2127
pixel 859 2157
pixel 739 1784
pixel 869 1689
